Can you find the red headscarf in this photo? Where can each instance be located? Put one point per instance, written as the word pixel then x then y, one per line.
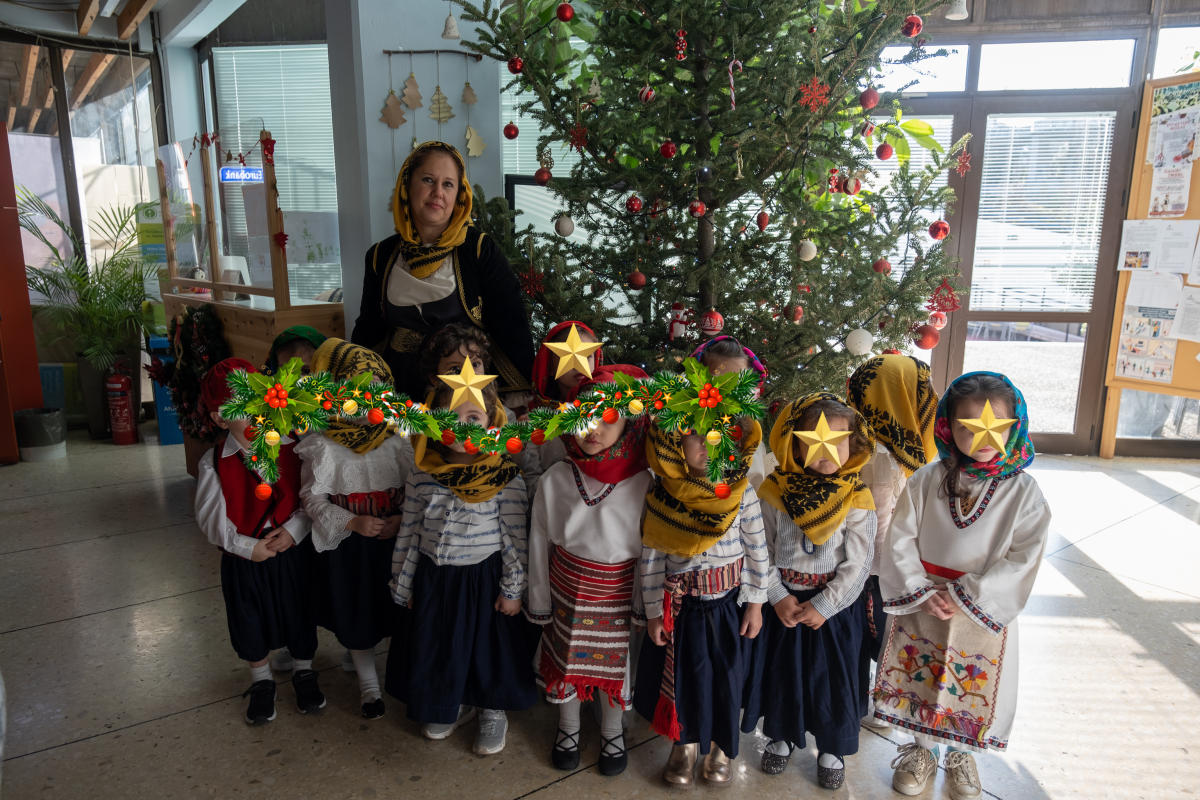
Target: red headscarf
pixel 627 456
pixel 542 377
pixel 214 387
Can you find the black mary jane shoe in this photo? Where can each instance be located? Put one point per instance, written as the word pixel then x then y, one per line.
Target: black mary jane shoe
pixel 373 709
pixel 566 758
pixel 613 764
pixel 831 777
pixel 773 764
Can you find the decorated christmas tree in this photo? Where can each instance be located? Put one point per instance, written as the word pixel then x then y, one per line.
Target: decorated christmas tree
pixel 725 167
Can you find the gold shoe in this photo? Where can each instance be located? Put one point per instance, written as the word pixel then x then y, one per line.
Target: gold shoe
pixel 717 768
pixel 681 765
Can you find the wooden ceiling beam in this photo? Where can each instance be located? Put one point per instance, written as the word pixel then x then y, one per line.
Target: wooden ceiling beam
pixel 87 79
pixel 12 112
pixel 85 15
pixel 131 16
pixel 29 57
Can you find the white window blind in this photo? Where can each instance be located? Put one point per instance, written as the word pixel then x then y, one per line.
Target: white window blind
pixel 284 89
pixel 520 154
pixel 1041 208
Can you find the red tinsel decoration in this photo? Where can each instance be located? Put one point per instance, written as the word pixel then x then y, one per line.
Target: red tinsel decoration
pixel 944 299
pixel 281 239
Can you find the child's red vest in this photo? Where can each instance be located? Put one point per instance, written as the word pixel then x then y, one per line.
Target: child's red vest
pixel 250 515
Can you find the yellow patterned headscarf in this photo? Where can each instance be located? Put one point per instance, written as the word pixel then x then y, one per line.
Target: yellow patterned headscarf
pixel 684 516
pixel 343 360
pixel 424 261
pixel 818 504
pixel 477 482
pixel 895 396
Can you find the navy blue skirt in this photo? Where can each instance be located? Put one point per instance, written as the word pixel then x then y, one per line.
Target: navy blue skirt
pixel 268 604
pixel 711 663
pixel 454 648
pixel 353 598
pixel 810 680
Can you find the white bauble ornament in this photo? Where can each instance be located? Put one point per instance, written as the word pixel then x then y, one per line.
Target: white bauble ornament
pixel 859 342
pixel 564 226
pixel 808 250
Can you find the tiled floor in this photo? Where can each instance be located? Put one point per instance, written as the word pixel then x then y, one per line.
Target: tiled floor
pixel 121 681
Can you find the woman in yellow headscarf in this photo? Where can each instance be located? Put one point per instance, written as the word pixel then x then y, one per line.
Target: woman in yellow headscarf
pixel 438 270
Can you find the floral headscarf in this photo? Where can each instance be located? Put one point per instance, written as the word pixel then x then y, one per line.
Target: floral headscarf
pixel 1018 453
pixel 627 456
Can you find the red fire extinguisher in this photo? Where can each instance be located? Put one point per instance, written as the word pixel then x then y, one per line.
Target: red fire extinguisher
pixel 119 388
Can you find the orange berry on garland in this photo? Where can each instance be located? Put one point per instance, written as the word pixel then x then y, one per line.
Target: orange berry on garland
pixel 263 491
pixel 374 416
pixel 611 415
pixel 722 491
pixel 408 403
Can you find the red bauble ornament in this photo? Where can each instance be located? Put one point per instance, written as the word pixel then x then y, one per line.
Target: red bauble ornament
pixel 940 229
pixel 736 432
pixel 722 490
pixel 633 205
pixel 515 445
pixel 711 322
pixel 263 491
pixel 611 415
pixel 912 25
pixel 869 98
pixel 374 416
pixel 516 65
pixel 882 266
pixel 646 95
pixel 812 29
pixel 637 279
pixel 697 208
pixel 542 176
pixel 868 128
pixel 250 433
pixel 565 12
pixel 327 405
pixel 937 319
pixel 926 337
pixel 668 149
pixel 794 313
pixel 884 151
pixel 447 437
pixel 763 219
pixel 511 131
pixel 470 447
pixel 538 437
pixel 851 185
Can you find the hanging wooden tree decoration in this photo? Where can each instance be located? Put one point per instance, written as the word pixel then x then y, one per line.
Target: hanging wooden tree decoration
pixel 469 96
pixel 393 112
pixel 475 142
pixel 440 107
pixel 411 95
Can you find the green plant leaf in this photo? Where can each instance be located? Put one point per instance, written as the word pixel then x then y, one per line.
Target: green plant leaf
pixel 917 127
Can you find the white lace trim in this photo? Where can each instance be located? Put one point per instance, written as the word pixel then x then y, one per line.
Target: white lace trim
pixel 339 470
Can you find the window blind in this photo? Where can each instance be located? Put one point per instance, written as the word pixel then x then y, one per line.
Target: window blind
pixel 1041 209
pixel 520 154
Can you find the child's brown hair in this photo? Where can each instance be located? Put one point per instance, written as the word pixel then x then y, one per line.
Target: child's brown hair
pixel 448 341
pixel 835 409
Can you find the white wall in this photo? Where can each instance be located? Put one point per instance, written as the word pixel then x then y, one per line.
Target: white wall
pixel 368 153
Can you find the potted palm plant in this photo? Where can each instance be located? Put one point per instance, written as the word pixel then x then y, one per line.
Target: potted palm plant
pixel 97 306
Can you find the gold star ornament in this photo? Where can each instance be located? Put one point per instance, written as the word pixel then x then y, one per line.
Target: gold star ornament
pixel 573 354
pixel 989 431
pixel 822 442
pixel 467 386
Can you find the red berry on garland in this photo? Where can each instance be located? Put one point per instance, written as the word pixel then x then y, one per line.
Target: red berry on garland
pixel 542 176
pixel 327 405
pixel 633 205
pixel 937 319
pixel 263 491
pixel 374 416
pixel 278 387
pixel 515 445
pixel 283 403
pixel 516 65
pixel 254 458
pixel 697 208
pixel 367 395
pixel 940 229
pixel 912 25
pixel 882 266
pixel 576 403
pixel 926 337
pixel 511 131
pixel 722 490
pixel 736 432
pixel 658 405
pixel 869 98
pixel 611 415
pixel 538 437
pixel 637 279
pixel 763 219
pixel 447 437
pixel 668 149
pixel 565 12
pixel 884 151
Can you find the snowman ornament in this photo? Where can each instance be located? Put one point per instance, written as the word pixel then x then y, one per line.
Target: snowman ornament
pixel 678 321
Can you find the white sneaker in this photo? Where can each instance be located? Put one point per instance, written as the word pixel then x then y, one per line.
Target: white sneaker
pixel 438 730
pixel 493 725
pixel 283 661
pixel 962 777
pixel 348 662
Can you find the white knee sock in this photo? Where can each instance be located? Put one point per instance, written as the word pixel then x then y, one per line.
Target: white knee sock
pixel 262 673
pixel 611 717
pixel 368 680
pixel 779 748
pixel 303 663
pixel 830 761
pixel 568 722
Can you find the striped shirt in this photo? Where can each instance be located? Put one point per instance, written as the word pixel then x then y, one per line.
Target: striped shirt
pixel 745 539
pixel 847 552
pixel 440 525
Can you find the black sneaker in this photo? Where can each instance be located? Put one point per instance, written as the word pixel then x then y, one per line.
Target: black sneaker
pixel 373 709
pixel 613 756
pixel 308 694
pixel 262 702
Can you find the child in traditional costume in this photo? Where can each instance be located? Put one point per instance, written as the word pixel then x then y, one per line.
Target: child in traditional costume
pixel 725 354
pixel 703 582
pixel 353 488
pixel 584 542
pixel 811 671
pixel 460 567
pixel 266 561
pixel 298 341
pixel 895 396
pixel 551 389
pixel 962 555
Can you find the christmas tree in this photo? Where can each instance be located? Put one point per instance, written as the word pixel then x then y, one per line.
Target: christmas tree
pixel 725 166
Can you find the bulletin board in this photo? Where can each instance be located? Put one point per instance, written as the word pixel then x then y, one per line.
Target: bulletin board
pixel 1185 374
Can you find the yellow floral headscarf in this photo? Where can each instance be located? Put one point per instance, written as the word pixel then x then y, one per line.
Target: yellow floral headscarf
pixel 343 360
pixel 684 516
pixel 477 482
pixel 818 504
pixel 424 261
pixel 895 396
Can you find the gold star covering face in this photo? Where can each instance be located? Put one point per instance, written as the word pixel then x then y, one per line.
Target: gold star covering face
pixel 467 386
pixel 989 431
pixel 573 354
pixel 822 442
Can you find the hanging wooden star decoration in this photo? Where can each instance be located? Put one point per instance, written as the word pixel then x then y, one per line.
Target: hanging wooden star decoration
pixel 573 353
pixel 467 386
pixel 989 430
pixel 822 442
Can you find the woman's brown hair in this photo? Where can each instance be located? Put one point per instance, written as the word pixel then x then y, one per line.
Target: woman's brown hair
pixel 974 387
pixel 423 156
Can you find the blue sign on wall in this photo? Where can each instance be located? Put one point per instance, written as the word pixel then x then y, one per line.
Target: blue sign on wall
pixel 241 175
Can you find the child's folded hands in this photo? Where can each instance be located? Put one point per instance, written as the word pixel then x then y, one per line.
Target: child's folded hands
pixel 371 527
